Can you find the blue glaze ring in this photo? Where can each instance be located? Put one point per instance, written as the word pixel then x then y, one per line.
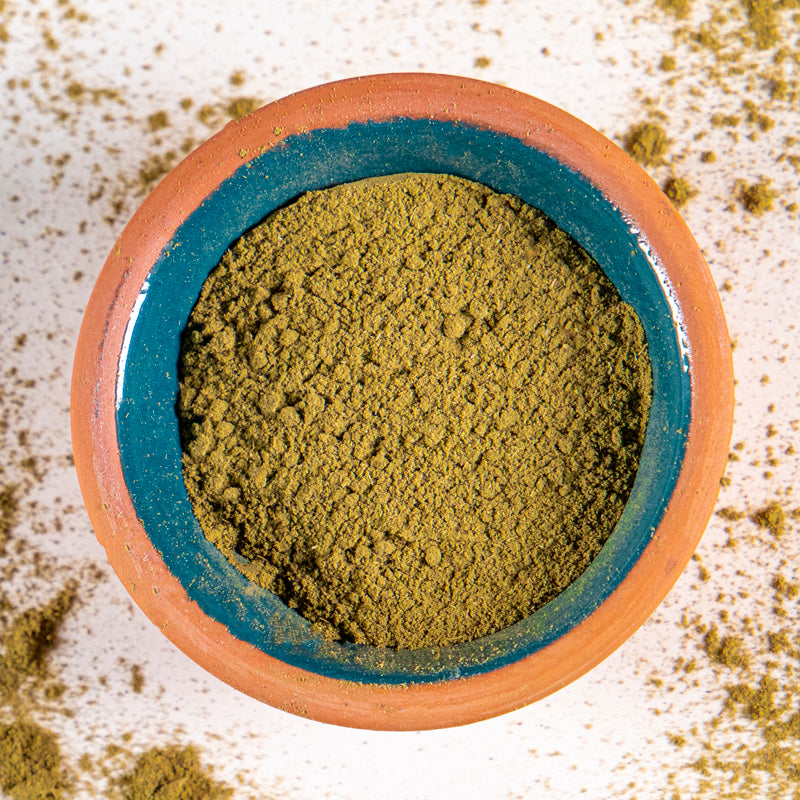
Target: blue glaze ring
pixel 147 385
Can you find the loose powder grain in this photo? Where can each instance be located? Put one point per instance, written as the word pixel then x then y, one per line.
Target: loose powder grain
pixel 412 407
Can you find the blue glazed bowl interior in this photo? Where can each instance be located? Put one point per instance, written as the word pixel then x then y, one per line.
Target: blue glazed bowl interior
pixel 147 385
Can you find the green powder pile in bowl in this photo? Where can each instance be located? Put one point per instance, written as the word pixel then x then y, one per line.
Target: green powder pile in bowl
pixel 411 407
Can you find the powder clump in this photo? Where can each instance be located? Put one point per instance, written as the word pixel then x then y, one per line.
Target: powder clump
pixel 137 678
pixel 411 407
pixel 729 651
pixel 763 22
pixel 647 142
pixel 678 8
pixel 757 198
pixel 679 190
pixel 773 518
pixel 242 106
pixel 668 63
pixel 9 512
pixel 158 121
pixel 30 763
pixel 171 773
pixel 29 639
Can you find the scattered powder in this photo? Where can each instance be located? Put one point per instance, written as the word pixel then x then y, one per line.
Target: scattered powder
pixel 735 48
pixel 748 746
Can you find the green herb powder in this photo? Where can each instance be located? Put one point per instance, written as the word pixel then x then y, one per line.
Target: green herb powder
pixel 411 407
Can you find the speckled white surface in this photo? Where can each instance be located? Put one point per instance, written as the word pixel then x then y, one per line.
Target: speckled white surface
pixel 606 734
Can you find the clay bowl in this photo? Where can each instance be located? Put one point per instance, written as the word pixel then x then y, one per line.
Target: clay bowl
pixel 125 430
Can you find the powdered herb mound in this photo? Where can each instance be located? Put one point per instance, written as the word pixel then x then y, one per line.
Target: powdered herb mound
pixel 171 773
pixel 411 407
pixel 30 763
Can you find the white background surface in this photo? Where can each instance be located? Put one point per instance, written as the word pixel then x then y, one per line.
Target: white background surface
pixel 606 734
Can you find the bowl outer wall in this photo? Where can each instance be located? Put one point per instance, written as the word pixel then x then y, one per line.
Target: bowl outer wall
pixel 413 706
